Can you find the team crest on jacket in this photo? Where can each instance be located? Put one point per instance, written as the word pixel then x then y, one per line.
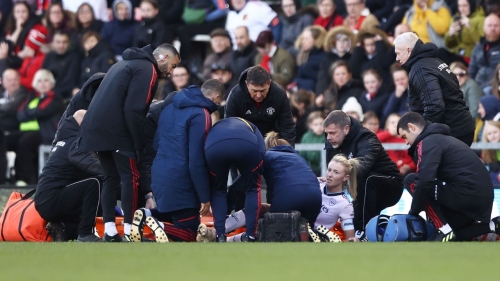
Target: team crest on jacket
pixel 270 110
pixel 332 202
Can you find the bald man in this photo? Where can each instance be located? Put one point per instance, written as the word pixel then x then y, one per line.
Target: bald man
pixel 486 55
pixel 12 96
pixel 68 190
pixel 433 89
pixel 244 55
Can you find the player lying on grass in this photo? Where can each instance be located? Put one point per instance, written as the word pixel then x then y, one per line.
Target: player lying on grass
pixel 335 204
pixel 451 183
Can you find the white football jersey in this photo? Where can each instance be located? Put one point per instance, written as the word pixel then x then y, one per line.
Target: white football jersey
pixel 335 206
pixel 256 16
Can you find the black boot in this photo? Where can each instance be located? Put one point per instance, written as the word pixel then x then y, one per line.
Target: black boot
pixel 220 238
pixel 246 238
pixel 57 230
pixel 497 224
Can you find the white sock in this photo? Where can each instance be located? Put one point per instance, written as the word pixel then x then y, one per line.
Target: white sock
pixel 110 229
pixel 148 212
pixel 492 226
pixel 235 238
pixel 445 229
pixel 126 228
pixel 161 225
pixel 235 221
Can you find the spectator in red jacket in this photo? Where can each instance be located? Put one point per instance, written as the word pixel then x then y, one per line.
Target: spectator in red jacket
pixel 328 15
pixel 32 56
pixel 389 135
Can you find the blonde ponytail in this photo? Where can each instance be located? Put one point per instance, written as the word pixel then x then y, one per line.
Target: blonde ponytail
pixel 352 182
pixel 272 139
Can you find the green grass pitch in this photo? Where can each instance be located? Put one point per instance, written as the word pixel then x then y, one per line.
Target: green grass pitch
pixel 258 261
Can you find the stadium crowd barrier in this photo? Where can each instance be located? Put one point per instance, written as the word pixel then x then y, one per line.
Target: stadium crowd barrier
pixel 45 150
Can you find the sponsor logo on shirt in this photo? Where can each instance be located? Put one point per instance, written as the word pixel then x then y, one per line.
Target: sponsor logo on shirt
pixel 324 209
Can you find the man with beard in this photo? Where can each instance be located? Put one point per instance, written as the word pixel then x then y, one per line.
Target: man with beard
pixel 380 185
pixel 114 127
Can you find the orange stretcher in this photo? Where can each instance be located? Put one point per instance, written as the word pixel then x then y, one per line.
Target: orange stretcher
pixel 99 225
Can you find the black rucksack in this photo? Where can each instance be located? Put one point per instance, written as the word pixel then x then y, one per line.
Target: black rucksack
pixel 282 227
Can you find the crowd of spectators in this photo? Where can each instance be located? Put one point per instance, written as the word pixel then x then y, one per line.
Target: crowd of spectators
pixel 327 55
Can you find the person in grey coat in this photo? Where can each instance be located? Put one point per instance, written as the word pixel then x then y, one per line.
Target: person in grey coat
pixel 486 55
pixel 472 91
pixel 295 19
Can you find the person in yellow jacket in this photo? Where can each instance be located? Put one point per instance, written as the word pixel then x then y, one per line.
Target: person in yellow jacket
pixel 466 28
pixel 430 19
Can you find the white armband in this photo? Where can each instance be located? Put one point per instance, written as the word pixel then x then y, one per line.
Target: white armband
pixel 347 224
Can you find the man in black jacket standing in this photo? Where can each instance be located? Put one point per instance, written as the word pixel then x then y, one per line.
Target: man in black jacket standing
pixel 64 63
pixel 114 127
pixel 244 55
pixel 380 185
pixel 67 194
pixel 259 100
pixel 451 183
pixel 433 91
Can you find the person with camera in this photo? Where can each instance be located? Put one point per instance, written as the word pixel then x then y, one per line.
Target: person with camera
pixel 466 29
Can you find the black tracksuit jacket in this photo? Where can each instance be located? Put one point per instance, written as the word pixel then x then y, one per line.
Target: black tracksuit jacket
pixel 66 163
pixel 434 91
pixel 468 187
pixel 273 114
pixel 115 118
pixel 363 144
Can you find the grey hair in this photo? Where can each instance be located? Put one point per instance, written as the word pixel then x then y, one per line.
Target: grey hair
pixel 407 39
pixel 43 74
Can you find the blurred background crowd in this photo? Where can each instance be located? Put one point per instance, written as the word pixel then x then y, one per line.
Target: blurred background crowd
pixel 327 54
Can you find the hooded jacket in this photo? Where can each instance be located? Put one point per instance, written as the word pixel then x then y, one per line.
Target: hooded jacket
pixel 120 33
pixel 491 107
pixel 324 74
pixel 149 153
pixel 66 163
pixel 465 179
pixel 180 178
pixel 434 91
pixel 272 114
pixel 115 117
pixel 82 99
pixel 285 169
pixel 363 144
